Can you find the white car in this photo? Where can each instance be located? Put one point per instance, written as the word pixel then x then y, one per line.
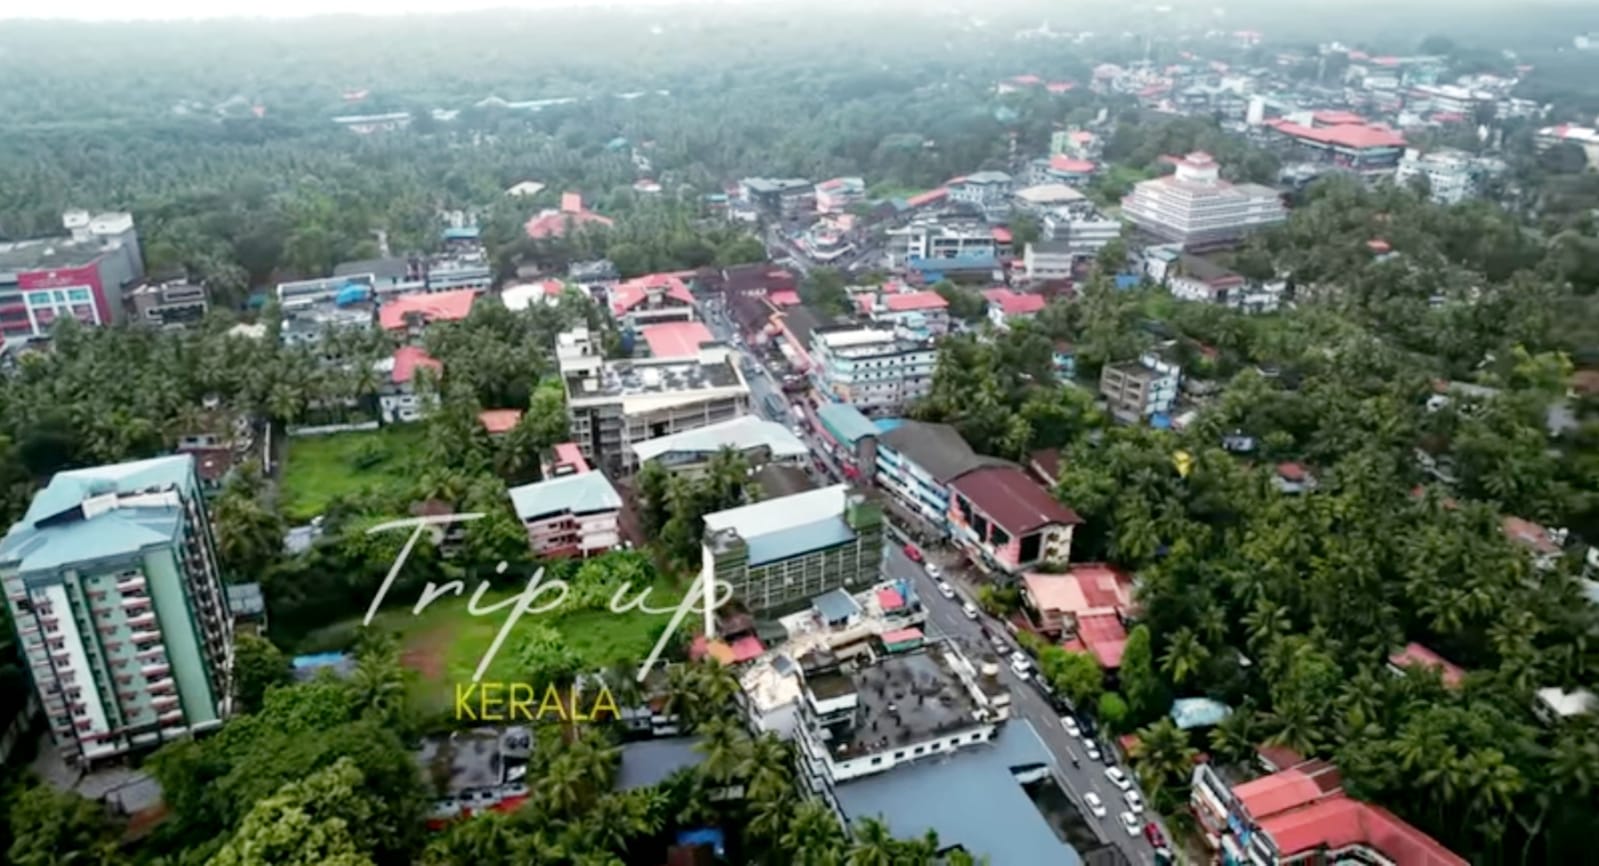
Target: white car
pixel 1070 724
pixel 1095 805
pixel 1020 661
pixel 970 610
pixel 1130 824
pixel 1118 778
pixel 946 590
pixel 933 570
pixel 1134 802
pixel 1091 749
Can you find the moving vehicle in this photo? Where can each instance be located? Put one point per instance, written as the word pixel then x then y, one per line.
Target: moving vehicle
pixel 1153 834
pixel 999 644
pixel 776 407
pixel 1070 724
pixel 1118 778
pixel 1092 749
pixel 1134 802
pixel 946 590
pixel 1130 824
pixel 912 553
pixel 970 610
pixel 1095 805
pixel 1020 665
pixel 933 570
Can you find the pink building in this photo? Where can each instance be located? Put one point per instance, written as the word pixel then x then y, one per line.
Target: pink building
pixel 1006 521
pixel 571 513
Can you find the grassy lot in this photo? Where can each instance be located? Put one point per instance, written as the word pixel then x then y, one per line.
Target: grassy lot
pixel 445 643
pixel 317 469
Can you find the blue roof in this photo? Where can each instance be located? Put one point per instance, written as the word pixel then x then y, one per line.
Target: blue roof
pixel 352 293
pixel 836 606
pixel 465 233
pixel 885 425
pixel 617 143
pixel 1127 281
pixel 796 540
pixel 980 260
pixel 845 422
pixel 710 836
pixel 1191 713
pixel 583 493
pixel 991 816
pixel 316 660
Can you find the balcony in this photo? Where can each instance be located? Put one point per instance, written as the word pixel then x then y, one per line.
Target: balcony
pixel 156 670
pixel 132 584
pixel 162 703
pixel 145 636
pixel 144 620
pixel 170 716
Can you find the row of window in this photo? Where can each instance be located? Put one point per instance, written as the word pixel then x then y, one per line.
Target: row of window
pixel 937 746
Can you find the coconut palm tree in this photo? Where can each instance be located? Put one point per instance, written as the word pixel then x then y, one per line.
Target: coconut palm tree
pixel 872 845
pixel 1164 756
pixel 724 746
pixel 1185 656
pixel 814 836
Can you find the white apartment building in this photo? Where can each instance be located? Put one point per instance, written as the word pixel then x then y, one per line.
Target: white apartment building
pixel 1083 229
pixel 1195 207
pixel 1048 260
pixel 988 190
pixel 877 370
pixel 613 404
pixel 930 239
pixel 1452 175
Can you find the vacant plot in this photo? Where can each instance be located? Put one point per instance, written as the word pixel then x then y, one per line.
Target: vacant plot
pixel 318 469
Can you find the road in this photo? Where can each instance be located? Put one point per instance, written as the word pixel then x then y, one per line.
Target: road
pixel 945 619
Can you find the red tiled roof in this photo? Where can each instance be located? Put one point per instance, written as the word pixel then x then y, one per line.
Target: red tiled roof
pixel 928 197
pixel 1012 500
pixel 1340 822
pixel 901 635
pixel 676 339
pixel 1001 234
pixel 1291 471
pixel 1280 757
pixel 1026 79
pixel 552 223
pixel 407 359
pixel 569 454
pixel 499 420
pixel 1279 792
pixel 1378 245
pixel 432 307
pixel 1063 163
pixel 1416 654
pixel 571 202
pixel 746 648
pixel 1061 86
pixel 1105 637
pixel 1529 534
pixel 907 301
pixel 1385 61
pixel 889 598
pixel 785 298
pixel 1046 461
pixel 1014 303
pixel 631 293
pixel 1334 118
pixel 1351 135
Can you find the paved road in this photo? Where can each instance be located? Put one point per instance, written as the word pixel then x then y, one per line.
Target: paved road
pixel 945 618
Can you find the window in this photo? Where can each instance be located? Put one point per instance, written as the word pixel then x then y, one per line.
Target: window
pixel 899 756
pixel 877 760
pixel 976 737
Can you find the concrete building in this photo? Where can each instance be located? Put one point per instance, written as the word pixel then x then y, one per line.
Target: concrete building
pixel 915 463
pixel 408 316
pixel 167 305
pixel 1584 137
pixel 785 198
pixel 573 512
pixel 1007 307
pixel 112 583
pixel 311 308
pixel 757 440
pixel 933 240
pixel 400 401
pixel 1196 208
pixel 781 552
pixel 1081 227
pixel 1344 141
pixel 613 404
pixel 1139 389
pixel 81 275
pixel 1452 175
pixel 988 191
pixel 1064 170
pixel 652 299
pixel 1006 522
pixel 839 194
pixel 877 370
pixel 922 315
pixel 1041 198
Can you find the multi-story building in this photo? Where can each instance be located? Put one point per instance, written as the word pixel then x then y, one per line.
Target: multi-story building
pixel 112 582
pixel 857 722
pixel 80 276
pixel 1139 389
pixel 1355 146
pixel 400 401
pixel 931 239
pixel 1196 208
pixel 573 512
pixel 613 404
pixel 1301 815
pixel 758 441
pixel 915 463
pixel 1042 198
pixel 1452 175
pixel 1048 260
pixel 652 299
pixel 877 370
pixel 782 552
pixel 1584 137
pixel 838 194
pixel 1083 229
pixel 1006 522
pixel 310 308
pixel 1075 143
pixel 1067 170
pixel 786 198
pixel 922 315
pixel 988 191
pixel 167 305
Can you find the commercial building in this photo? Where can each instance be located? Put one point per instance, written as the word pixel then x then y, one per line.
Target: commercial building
pixel 672 340
pixel 988 191
pixel 400 401
pixel 1006 522
pixel 652 299
pixel 1301 815
pixel 573 512
pixel 1196 208
pixel 920 315
pixel 112 583
pixel 1136 390
pixel 1062 169
pixel 81 275
pixel 757 440
pixel 1081 227
pixel 839 194
pixel 877 370
pixel 1042 197
pixel 849 436
pixel 1452 175
pixel 1359 147
pixel 915 463
pixel 1049 260
pixel 786 198
pixel 613 404
pixel 781 552
pixel 167 305
pixel 1006 307
pixel 933 240
pixel 311 308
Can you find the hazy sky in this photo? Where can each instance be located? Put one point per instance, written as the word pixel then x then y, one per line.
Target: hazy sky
pixel 121 10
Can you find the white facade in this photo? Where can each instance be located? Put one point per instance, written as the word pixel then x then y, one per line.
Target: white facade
pixel 1452 176
pixel 874 369
pixel 1195 206
pixel 1084 229
pixel 1048 261
pixel 933 240
pixel 989 190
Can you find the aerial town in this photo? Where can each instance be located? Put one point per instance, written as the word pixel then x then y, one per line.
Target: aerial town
pixel 1175 443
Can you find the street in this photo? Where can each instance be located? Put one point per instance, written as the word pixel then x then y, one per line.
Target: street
pixel 945 619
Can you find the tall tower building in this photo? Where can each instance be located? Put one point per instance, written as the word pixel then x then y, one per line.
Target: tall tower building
pixel 113 585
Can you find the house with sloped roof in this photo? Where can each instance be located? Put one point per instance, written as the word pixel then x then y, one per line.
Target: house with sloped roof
pixel 1006 522
pixel 917 460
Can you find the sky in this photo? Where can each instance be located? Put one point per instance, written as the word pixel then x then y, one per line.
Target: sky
pixel 123 10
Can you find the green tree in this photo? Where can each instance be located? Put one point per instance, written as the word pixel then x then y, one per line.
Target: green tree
pixel 1146 694
pixel 314 822
pixel 1075 675
pixel 257 667
pixel 59 829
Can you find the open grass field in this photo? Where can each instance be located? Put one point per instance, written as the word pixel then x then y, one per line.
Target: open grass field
pixel 317 469
pixel 445 642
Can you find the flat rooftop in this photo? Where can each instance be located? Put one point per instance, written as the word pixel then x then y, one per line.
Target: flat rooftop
pixel 463 761
pixel 628 379
pixel 62 252
pixel 905 699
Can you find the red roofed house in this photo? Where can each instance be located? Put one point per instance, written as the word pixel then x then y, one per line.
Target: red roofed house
pixel 1006 306
pixel 651 299
pixel 676 339
pixel 1058 600
pixel 499 421
pixel 1416 655
pixel 925 310
pixel 1061 86
pixel 411 313
pixel 932 196
pixel 1301 815
pixel 1062 168
pixel 398 399
pixel 1543 544
pixel 553 223
pixel 1005 521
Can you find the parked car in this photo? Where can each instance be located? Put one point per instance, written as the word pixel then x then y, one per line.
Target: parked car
pixel 970 610
pixel 933 570
pixel 1130 823
pixel 912 554
pixel 999 644
pixel 1134 802
pixel 1020 665
pixel 1153 834
pixel 1096 805
pixel 1070 724
pixel 1091 749
pixel 1118 778
pixel 1042 682
pixel 946 590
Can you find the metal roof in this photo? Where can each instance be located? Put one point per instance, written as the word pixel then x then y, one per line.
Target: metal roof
pixel 845 422
pixel 798 540
pixel 836 606
pixel 777 515
pixel 584 493
pixel 743 433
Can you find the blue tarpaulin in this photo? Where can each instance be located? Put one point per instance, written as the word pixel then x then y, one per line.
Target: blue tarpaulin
pixel 352 293
pixel 708 836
